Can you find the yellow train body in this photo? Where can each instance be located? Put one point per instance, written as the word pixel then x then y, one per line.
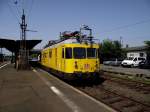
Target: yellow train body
pixel 71 59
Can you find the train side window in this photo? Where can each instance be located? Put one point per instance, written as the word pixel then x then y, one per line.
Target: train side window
pixel 91 52
pixel 63 53
pixel 79 53
pixel 68 53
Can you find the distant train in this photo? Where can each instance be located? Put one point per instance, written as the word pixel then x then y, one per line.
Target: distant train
pixel 72 59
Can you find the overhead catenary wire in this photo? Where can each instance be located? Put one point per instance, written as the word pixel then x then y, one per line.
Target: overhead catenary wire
pixel 23 4
pixel 13 13
pixel 15 2
pixel 16 6
pixel 126 26
pixel 30 9
pixel 27 6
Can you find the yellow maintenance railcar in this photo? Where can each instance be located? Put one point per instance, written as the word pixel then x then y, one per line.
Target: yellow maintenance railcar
pixel 72 59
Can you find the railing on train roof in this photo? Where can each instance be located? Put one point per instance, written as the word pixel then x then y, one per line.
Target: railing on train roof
pixel 75 35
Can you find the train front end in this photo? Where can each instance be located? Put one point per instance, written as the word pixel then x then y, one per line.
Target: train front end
pixel 82 61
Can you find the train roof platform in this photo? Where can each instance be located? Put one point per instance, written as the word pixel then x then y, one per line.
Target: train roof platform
pixel 38 91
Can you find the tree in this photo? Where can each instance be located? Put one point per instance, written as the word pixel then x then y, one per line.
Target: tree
pixel 110 49
pixel 117 49
pixel 147 43
pixel 106 49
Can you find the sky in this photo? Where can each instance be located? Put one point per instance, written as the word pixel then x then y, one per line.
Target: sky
pixel 109 19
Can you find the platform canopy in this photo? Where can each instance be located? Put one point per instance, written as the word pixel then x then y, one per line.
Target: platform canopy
pixel 14 45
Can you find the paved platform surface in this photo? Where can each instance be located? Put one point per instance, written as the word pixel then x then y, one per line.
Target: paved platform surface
pixel 36 91
pixel 131 71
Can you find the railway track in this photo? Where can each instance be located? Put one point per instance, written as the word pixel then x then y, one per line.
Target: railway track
pixel 135 85
pixel 116 99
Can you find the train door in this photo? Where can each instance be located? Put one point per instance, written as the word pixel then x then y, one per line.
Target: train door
pixel 63 60
pixel 56 58
pixel 50 56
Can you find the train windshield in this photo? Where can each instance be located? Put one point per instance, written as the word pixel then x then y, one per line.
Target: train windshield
pixel 79 53
pixel 91 52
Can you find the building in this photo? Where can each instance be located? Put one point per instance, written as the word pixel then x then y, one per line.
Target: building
pixel 139 51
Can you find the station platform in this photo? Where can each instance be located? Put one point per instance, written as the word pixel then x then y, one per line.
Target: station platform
pixel 37 91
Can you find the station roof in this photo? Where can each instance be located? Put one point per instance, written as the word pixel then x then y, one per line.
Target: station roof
pixel 14 45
